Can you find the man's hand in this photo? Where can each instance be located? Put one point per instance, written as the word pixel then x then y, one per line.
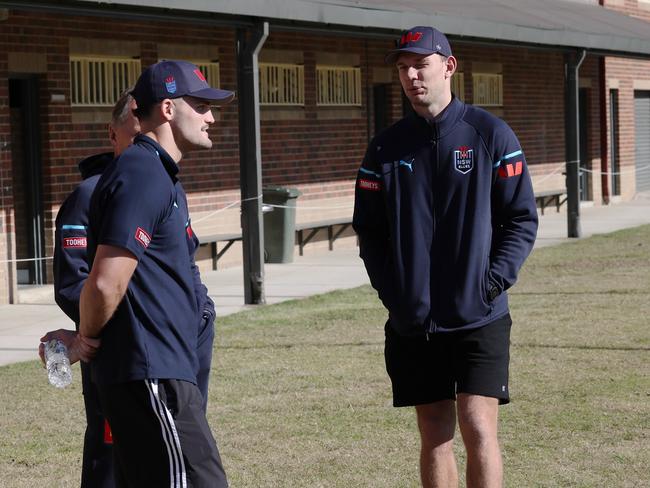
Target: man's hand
pixel 63 335
pixel 79 347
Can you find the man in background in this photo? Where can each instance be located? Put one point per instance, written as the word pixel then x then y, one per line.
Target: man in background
pixel 70 273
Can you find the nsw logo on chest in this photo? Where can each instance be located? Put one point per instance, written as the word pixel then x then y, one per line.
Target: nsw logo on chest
pixel 464 159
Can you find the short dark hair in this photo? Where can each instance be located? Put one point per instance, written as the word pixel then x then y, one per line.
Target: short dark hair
pixel 145 111
pixel 122 108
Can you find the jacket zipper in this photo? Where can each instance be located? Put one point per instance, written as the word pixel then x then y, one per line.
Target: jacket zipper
pixel 433 327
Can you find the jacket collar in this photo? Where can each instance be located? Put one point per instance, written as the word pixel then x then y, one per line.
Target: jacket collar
pixel 170 166
pixel 445 121
pixel 95 165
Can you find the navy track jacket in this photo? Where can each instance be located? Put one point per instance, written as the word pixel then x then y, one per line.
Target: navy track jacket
pixel 446 216
pixel 70 237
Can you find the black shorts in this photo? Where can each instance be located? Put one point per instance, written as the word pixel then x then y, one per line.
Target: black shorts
pixel 428 370
pixel 160 435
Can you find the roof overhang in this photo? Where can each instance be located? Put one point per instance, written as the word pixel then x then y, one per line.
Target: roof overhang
pixel 555 24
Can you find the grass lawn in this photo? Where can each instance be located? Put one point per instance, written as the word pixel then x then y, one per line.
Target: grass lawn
pixel 300 398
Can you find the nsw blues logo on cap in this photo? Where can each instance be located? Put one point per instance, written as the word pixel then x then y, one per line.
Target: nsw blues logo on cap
pixel 420 40
pixel 170 84
pixel 175 79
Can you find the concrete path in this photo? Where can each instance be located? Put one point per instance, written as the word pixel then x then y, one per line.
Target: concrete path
pixel 22 325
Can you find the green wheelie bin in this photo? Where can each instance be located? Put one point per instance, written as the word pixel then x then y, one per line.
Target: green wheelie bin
pixel 279 223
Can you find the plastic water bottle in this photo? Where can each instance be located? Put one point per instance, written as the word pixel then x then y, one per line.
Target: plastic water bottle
pixel 57 363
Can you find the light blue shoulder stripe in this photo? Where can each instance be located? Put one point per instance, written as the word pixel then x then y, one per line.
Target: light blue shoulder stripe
pixel 367 171
pixel 507 156
pixel 73 227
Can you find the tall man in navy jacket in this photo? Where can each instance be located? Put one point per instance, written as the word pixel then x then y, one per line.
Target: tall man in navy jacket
pixel 446 216
pixel 139 297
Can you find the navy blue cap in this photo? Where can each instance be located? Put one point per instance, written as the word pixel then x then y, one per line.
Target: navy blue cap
pixel 175 79
pixel 420 40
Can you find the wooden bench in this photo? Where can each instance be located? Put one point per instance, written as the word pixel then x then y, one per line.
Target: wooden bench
pixel 550 197
pixel 312 228
pixel 212 241
pixel 305 232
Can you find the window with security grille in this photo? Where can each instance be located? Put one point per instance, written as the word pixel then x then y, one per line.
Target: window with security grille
pixel 458 85
pixel 211 72
pixel 282 84
pixel 338 86
pixel 99 82
pixel 488 89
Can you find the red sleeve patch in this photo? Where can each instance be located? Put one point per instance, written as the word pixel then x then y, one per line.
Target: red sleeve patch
pixel 509 170
pixel 74 242
pixel 142 237
pixel 369 185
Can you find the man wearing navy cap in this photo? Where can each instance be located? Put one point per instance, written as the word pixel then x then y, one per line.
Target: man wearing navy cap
pixel 70 272
pixel 139 297
pixel 446 216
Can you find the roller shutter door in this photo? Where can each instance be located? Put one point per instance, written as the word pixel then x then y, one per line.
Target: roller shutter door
pixel 642 138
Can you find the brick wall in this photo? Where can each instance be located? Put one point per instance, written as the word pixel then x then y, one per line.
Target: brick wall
pixel 634 8
pixel 313 148
pixel 6 199
pixel 626 75
pixel 66 141
pixel 590 82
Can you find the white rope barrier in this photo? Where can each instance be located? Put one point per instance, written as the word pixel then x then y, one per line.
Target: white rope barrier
pixel 223 209
pixel 304 207
pixel 593 171
pixel 635 170
pixel 552 173
pixel 349 205
pixel 26 260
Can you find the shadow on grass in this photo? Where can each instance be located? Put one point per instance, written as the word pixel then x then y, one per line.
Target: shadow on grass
pixel 577 293
pixel 302 344
pixel 579 347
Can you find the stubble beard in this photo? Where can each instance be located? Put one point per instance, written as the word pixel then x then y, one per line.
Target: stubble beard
pixel 193 142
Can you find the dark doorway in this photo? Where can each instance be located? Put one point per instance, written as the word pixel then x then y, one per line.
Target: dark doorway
pixel 27 187
pixel 381 105
pixel 585 159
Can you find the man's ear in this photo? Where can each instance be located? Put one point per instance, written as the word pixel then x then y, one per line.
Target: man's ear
pixel 450 66
pixel 167 109
pixel 112 136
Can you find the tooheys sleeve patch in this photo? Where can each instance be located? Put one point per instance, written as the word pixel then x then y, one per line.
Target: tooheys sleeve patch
pixel 371 185
pixel 142 237
pixel 74 242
